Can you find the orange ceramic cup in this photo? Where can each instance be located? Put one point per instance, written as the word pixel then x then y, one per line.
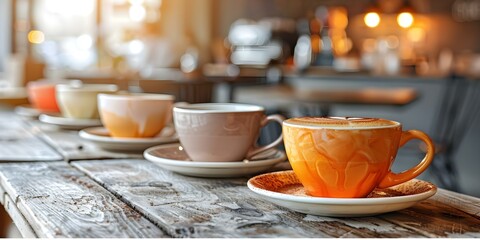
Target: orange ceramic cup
pixel 139 115
pixel 348 157
pixel 41 94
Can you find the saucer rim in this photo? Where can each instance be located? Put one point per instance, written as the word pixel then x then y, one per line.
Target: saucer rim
pixel 28 110
pixel 71 122
pixel 96 138
pixel 276 157
pixel 340 201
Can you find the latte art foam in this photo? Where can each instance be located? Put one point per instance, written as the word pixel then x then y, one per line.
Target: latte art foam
pixel 340 122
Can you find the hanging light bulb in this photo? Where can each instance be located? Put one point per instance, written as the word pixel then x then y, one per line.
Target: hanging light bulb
pixel 405 17
pixel 36 37
pixel 372 19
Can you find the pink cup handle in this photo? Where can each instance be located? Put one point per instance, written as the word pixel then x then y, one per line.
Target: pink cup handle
pixel 169 129
pixel 256 150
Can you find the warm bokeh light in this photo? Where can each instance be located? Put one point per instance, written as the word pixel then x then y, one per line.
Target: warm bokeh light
pixel 338 17
pixel 392 41
pixel 372 19
pixel 84 41
pixel 36 37
pixel 341 46
pixel 135 46
pixel 316 42
pixel 137 13
pixel 416 34
pixel 405 19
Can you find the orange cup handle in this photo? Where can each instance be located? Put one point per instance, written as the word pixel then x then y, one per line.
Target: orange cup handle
pixel 254 151
pixel 392 179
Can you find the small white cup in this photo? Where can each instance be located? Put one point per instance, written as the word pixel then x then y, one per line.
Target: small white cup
pixel 80 101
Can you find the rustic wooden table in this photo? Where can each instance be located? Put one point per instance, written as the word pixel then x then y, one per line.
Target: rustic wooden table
pixel 54 184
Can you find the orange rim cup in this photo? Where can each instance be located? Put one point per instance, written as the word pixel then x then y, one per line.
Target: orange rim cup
pixel 349 157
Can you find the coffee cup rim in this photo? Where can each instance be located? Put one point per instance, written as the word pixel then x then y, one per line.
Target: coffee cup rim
pixel 86 87
pixel 220 108
pixel 136 96
pixel 340 127
pixel 45 82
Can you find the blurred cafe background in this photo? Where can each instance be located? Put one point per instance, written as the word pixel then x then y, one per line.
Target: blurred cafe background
pixel 417 62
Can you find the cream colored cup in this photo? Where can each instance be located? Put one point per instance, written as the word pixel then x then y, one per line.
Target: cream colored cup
pixel 135 115
pixel 222 132
pixel 80 100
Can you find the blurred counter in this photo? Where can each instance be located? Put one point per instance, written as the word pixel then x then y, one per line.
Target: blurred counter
pixel 269 73
pixel 330 73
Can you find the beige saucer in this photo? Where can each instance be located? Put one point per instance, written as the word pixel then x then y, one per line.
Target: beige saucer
pixel 284 189
pixel 174 158
pixel 101 137
pixel 68 123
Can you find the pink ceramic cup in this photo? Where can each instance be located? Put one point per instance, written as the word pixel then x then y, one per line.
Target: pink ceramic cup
pixel 222 132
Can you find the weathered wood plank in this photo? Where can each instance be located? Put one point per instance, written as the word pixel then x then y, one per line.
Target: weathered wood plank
pixel 4 218
pixel 2 193
pixel 437 220
pixel 59 201
pixel 20 222
pixel 204 209
pixel 462 202
pixel 195 207
pixel 72 146
pixel 446 214
pixel 435 217
pixel 19 144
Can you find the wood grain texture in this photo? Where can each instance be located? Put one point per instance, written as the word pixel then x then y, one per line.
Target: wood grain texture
pixel 72 146
pixel 462 202
pixel 2 193
pixel 59 201
pixel 195 207
pixel 18 219
pixel 17 143
pixel 4 219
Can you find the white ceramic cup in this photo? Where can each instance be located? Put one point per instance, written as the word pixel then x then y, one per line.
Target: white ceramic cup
pixel 80 100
